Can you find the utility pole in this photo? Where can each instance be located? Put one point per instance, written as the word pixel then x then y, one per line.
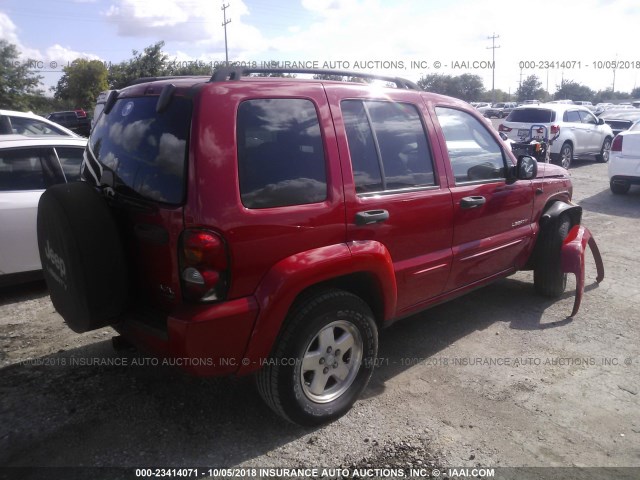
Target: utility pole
pixel 224 24
pixel 613 87
pixel 493 75
pixel 520 85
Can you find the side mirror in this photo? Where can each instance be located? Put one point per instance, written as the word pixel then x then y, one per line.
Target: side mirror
pixel 526 168
pixel 600 121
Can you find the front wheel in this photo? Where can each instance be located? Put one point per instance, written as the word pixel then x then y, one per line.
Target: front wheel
pixel 548 278
pixel 603 157
pixel 323 360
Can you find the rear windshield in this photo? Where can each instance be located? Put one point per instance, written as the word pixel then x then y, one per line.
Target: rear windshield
pixel 532 115
pixel 146 150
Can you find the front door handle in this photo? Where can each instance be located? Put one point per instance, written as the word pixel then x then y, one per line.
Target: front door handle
pixel 371 216
pixel 472 202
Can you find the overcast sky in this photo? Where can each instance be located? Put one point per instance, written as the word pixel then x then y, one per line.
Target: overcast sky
pixel 586 33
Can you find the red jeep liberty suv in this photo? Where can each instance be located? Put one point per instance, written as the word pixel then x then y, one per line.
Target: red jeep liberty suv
pixel 245 224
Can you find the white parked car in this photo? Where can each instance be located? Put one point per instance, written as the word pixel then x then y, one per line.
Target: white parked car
pixel 28 165
pixel 577 131
pixel 30 124
pixel 624 161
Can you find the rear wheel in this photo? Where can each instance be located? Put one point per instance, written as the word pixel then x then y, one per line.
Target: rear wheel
pixel 548 278
pixel 323 360
pixel 603 157
pixel 619 187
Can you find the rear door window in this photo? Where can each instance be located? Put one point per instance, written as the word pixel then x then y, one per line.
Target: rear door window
pixel 387 145
pixel 281 159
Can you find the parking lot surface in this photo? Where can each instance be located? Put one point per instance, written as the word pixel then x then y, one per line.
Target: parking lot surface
pixel 499 377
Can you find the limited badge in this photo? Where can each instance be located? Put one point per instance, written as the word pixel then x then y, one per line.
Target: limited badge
pixel 127 109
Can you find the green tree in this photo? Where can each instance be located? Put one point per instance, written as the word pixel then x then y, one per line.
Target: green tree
pixel 501 96
pixel 470 87
pixel 81 83
pixel 466 87
pixel 635 93
pixel 531 89
pixel 437 83
pixel 571 90
pixel 18 86
pixel 609 95
pixel 149 63
pixel 188 68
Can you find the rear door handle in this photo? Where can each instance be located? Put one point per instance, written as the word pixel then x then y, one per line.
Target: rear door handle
pixel 472 202
pixel 371 216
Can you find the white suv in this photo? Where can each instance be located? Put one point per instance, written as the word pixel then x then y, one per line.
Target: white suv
pixel 575 131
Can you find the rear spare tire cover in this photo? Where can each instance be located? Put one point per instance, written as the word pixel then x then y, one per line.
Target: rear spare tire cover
pixel 82 256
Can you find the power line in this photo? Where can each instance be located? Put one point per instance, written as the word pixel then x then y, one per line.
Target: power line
pixel 493 75
pixel 224 24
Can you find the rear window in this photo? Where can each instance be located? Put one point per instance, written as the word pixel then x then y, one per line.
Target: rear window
pixel 532 115
pixel 146 150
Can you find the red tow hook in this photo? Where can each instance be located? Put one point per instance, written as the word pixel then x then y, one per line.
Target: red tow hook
pixel 573 250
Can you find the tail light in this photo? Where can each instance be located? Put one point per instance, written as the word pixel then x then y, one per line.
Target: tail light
pixel 616 146
pixel 502 128
pixel 204 266
pixel 555 129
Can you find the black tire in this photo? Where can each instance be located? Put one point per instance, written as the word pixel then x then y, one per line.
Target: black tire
pixel 82 256
pixel 548 278
pixel 619 187
pixel 603 156
pixel 282 381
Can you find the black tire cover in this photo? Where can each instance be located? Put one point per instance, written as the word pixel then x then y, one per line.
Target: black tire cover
pixel 82 256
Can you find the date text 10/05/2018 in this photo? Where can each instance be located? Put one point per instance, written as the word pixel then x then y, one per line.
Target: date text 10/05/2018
pixel 577 64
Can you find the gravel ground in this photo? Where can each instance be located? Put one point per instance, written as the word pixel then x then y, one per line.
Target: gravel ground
pixel 498 378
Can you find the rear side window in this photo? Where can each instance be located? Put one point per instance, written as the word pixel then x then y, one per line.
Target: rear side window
pixel 146 150
pixel 532 115
pixel 387 145
pixel 25 169
pixel 280 154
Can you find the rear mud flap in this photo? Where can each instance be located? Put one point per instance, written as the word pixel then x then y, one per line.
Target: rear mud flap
pixel 573 250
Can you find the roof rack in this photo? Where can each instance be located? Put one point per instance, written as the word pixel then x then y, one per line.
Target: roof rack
pixel 169 77
pixel 234 73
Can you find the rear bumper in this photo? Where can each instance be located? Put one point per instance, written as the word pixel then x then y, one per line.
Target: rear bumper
pixel 201 340
pixel 624 168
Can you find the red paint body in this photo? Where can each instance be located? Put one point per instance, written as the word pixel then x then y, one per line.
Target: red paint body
pixel 428 251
